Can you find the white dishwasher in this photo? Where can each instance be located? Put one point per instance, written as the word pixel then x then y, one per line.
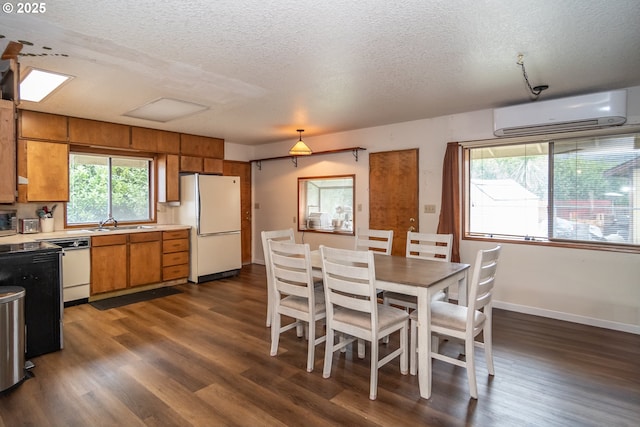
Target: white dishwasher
pixel 76 268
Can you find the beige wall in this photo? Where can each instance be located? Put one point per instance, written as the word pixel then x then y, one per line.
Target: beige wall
pixel 586 286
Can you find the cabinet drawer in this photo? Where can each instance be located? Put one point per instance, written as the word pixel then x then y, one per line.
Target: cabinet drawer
pixel 175 258
pixel 177 245
pixel 175 234
pixel 114 239
pixel 148 236
pixel 175 272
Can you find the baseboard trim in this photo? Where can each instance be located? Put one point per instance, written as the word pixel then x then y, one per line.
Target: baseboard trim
pixel 558 315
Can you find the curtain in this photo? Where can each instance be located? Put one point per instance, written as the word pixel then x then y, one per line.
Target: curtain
pixel 449 221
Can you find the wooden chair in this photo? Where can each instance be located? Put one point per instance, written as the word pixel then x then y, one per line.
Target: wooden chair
pixel 435 247
pixel 374 240
pixel 280 235
pixel 465 323
pixel 295 294
pixel 353 310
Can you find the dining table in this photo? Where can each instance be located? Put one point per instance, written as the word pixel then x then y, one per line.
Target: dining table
pixel 422 278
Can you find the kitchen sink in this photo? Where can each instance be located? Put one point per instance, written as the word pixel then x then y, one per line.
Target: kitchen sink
pixel 124 227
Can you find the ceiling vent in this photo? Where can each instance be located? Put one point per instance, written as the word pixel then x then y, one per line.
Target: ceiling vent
pixel 583 112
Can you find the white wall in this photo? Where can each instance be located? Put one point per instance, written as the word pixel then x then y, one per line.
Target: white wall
pixel 586 286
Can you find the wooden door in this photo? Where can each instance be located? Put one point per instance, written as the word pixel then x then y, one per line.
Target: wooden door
pixel 243 170
pixel 393 194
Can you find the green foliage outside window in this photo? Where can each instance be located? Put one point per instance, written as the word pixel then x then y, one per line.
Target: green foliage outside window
pixel 89 200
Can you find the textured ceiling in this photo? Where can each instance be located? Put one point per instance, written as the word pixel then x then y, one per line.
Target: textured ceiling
pixel 266 68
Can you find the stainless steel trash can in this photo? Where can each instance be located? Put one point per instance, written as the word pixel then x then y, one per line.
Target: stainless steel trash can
pixel 12 349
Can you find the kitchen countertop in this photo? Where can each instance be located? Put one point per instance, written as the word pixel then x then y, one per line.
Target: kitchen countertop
pixel 88 232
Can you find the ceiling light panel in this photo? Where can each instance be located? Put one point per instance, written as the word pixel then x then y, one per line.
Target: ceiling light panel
pixel 38 84
pixel 165 109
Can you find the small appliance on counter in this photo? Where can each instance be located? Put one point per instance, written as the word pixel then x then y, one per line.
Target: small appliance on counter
pixel 28 225
pixel 8 222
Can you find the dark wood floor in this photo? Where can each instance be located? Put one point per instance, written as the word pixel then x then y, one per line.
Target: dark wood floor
pixel 201 358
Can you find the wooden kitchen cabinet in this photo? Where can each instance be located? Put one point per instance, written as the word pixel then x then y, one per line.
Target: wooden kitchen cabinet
pixel 101 134
pixel 43 171
pixel 156 141
pixel 201 146
pixel 191 164
pixel 108 263
pixel 201 165
pixel 145 258
pixel 50 127
pixel 7 152
pixel 168 178
pixel 175 255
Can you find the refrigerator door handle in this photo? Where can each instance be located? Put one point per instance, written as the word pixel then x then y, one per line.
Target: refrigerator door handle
pixel 222 233
pixel 196 188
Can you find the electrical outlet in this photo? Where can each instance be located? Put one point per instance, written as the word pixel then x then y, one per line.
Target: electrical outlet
pixel 429 208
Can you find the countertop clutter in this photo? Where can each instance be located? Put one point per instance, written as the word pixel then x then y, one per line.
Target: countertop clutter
pixel 89 232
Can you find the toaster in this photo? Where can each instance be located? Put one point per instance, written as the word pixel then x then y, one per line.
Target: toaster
pixel 28 225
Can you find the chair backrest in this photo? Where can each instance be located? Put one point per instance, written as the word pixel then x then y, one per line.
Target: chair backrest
pixel 280 235
pixel 435 247
pixel 481 288
pixel 374 240
pixel 349 282
pixel 291 270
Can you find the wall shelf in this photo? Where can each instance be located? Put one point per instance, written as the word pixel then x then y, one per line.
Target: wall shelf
pixel 294 159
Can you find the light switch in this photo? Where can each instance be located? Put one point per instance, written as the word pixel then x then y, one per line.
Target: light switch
pixel 429 208
pixel 256 205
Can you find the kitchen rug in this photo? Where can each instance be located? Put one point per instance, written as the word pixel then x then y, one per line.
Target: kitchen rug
pixel 107 303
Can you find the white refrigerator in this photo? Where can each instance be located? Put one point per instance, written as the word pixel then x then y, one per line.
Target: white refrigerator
pixel 210 204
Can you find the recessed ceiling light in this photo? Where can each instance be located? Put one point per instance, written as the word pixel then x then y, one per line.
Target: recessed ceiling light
pixel 38 84
pixel 165 109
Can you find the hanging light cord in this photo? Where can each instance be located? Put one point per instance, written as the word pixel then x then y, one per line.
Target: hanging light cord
pixel 535 91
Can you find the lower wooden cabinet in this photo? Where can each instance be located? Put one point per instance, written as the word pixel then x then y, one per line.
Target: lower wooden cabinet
pixel 175 254
pixel 122 261
pixel 145 258
pixel 108 263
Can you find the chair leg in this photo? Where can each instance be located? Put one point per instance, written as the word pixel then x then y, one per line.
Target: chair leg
pixel 413 368
pixel 373 382
pixel 269 307
pixel 488 347
pixel 299 330
pixel 471 366
pixel 275 334
pixel 361 350
pixel 328 353
pixel 405 349
pixel 311 345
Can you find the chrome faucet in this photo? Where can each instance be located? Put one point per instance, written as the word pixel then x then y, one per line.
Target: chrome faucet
pixel 110 219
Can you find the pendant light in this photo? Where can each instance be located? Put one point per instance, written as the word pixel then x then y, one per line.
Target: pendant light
pixel 300 148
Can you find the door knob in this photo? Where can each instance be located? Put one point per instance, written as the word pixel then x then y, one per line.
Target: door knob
pixel 412 220
pixel 412 228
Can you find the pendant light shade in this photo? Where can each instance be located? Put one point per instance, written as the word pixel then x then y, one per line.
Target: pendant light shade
pixel 300 148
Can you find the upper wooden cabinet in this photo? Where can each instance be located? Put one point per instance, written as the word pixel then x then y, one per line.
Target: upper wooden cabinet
pixel 201 146
pixel 7 152
pixel 45 169
pixel 51 127
pixel 156 141
pixel 102 134
pixel 168 178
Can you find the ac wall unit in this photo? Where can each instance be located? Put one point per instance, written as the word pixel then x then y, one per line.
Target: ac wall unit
pixel 562 115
